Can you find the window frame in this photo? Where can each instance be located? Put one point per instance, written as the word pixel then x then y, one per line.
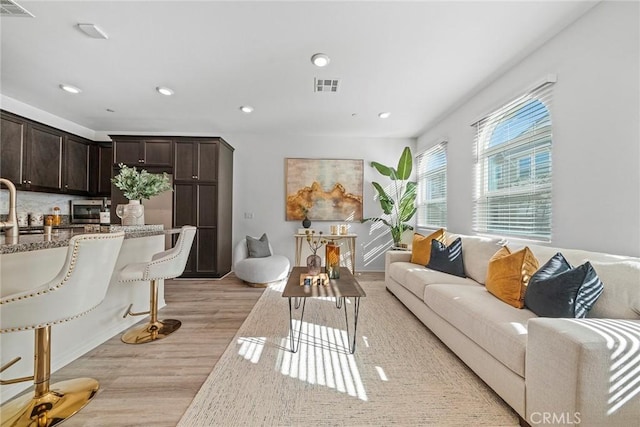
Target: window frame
pixel 500 209
pixel 424 178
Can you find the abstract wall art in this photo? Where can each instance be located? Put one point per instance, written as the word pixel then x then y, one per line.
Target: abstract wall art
pixel 324 189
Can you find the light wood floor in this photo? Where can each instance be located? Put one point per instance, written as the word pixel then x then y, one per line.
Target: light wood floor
pixel 152 384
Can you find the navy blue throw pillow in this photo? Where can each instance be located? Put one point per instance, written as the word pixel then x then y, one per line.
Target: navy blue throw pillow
pixel 559 290
pixel 447 259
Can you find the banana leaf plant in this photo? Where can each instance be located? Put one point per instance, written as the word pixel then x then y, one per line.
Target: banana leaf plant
pixel 398 206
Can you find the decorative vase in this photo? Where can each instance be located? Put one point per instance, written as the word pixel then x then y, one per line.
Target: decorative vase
pixel 131 213
pixel 333 260
pixel 314 264
pixel 306 223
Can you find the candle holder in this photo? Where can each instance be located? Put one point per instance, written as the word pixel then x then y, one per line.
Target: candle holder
pixel 332 257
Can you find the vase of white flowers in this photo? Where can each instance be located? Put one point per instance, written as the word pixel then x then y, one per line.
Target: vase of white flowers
pixel 136 186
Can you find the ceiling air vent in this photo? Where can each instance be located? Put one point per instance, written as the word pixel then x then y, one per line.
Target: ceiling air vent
pixel 11 8
pixel 325 85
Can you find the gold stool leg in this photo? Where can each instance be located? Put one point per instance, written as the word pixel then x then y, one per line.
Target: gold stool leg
pixel 154 330
pixel 49 405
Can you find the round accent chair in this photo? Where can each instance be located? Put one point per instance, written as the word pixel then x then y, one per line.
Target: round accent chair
pixel 262 270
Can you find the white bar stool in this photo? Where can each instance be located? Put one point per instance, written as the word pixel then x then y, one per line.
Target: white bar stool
pixel 79 287
pixel 164 265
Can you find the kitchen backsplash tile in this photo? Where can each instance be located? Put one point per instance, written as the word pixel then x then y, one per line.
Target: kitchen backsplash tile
pixel 30 201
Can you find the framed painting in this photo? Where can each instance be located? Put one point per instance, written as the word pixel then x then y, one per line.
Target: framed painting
pixel 324 189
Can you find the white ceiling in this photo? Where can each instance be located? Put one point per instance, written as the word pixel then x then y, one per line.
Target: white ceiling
pixel 415 59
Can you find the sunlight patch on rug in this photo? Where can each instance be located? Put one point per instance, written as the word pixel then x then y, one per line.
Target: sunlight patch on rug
pixel 323 359
pixel 251 348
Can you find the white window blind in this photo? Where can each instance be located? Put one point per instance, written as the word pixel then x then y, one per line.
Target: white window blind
pixel 513 168
pixel 432 187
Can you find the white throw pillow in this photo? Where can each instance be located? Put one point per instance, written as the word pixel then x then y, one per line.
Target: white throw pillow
pixel 621 296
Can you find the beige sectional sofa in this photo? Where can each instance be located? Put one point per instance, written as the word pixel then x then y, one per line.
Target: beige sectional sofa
pixel 550 371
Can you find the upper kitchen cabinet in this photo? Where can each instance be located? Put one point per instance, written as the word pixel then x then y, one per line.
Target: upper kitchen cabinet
pixel 100 165
pixel 196 160
pixel 41 158
pixel 76 165
pixel 142 151
pixel 13 135
pixel 43 161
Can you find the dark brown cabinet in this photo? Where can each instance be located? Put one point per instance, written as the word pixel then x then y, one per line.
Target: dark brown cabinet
pixel 101 161
pixel 43 165
pixel 76 165
pixel 142 151
pixel 38 157
pixel 195 160
pixel 203 182
pixel 13 134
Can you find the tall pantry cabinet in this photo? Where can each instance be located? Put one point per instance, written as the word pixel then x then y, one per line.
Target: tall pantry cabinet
pixel 202 169
pixel 203 183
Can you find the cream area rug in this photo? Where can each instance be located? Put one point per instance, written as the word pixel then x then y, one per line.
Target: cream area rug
pixel 400 374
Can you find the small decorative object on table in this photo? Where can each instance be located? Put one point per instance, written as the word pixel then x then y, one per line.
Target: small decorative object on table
pixel 333 260
pixel 137 186
pixel 321 279
pixel 306 222
pixel 314 262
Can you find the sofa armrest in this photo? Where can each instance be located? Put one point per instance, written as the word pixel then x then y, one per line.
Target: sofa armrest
pixel 394 256
pixel 583 371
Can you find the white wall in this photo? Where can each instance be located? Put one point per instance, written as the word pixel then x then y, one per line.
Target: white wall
pixel 596 135
pixel 259 188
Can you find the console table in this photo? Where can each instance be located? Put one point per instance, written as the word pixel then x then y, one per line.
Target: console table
pixel 351 246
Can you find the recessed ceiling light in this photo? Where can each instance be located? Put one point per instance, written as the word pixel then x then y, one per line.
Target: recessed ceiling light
pixel 93 31
pixel 320 60
pixel 70 89
pixel 384 115
pixel 246 109
pixel 164 91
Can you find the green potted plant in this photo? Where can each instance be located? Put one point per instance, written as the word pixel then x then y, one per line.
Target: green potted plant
pixel 136 186
pixel 398 206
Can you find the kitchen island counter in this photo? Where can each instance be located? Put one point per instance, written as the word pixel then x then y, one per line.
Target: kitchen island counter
pixel 35 260
pixel 60 237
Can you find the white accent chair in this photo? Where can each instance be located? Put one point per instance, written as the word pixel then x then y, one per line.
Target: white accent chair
pixel 163 265
pixel 259 272
pixel 79 287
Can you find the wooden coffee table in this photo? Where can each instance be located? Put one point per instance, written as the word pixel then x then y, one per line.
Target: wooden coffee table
pixel 345 287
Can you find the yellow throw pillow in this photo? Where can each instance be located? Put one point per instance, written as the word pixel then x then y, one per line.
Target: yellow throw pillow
pixel 421 246
pixel 509 274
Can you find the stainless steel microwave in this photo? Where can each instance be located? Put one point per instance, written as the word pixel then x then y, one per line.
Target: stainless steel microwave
pixel 86 211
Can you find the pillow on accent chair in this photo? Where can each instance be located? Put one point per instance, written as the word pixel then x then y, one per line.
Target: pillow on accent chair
pixel 258 248
pixel 560 290
pixel 421 246
pixel 447 259
pixel 509 273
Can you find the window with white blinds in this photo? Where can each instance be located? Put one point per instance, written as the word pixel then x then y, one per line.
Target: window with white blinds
pixel 432 187
pixel 513 168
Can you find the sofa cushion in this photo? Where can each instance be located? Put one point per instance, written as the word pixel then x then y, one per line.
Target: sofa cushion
pixel 498 328
pixel 620 298
pixel 476 252
pixel 509 273
pixel 447 259
pixel 415 278
pixel 421 246
pixel 559 290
